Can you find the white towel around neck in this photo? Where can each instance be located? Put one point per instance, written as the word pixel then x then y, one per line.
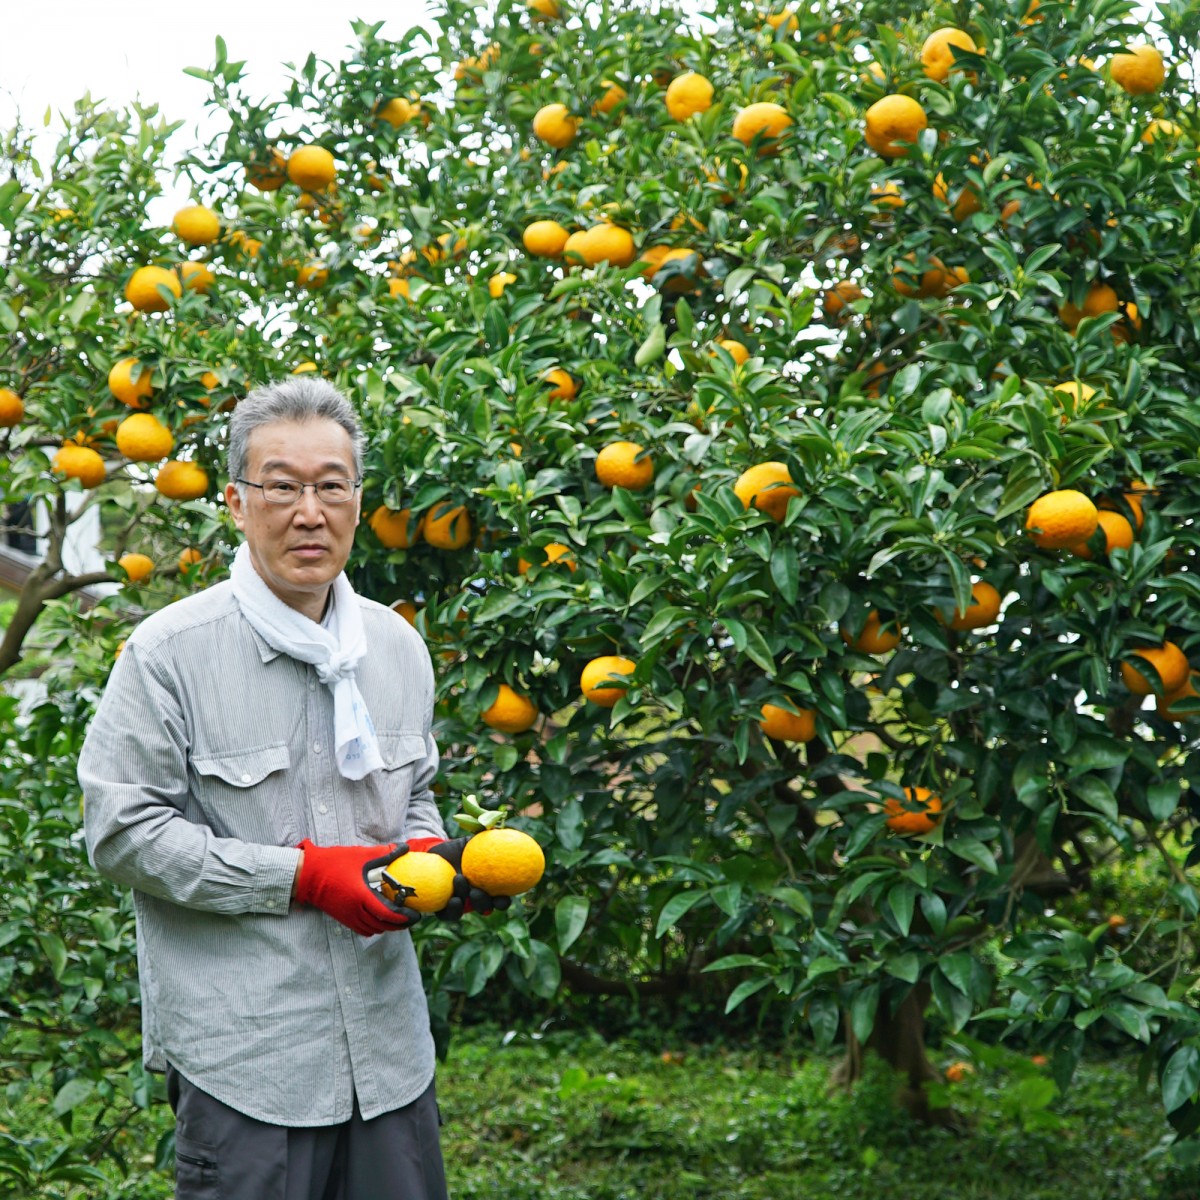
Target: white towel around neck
pixel 335 652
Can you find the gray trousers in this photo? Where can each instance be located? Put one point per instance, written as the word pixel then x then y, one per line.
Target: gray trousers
pixel 222 1154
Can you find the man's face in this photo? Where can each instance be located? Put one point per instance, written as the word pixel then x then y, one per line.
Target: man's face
pixel 298 550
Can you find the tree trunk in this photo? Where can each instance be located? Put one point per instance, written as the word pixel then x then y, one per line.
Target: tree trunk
pixel 899 1039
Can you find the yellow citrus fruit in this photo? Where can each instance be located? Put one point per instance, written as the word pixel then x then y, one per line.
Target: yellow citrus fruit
pixel 565 388
pixel 305 368
pixel 874 638
pixel 268 173
pixel 782 725
pixel 768 486
pixel 920 815
pixel 1062 519
pixel 311 168
pixel 1132 498
pixel 503 862
pixel 937 55
pixel 553 552
pixel 1166 703
pixel 1160 127
pixel 1080 393
pixel 964 203
pixel 765 119
pixel 608 243
pixel 555 126
pixel 189 558
pixel 510 712
pixel 1118 534
pixel 625 464
pixel 1168 660
pixel 786 20
pixel 1099 299
pixel 983 609
pixel 400 110
pixel 574 247
pixel 12 407
pixel 956 1072
pixel 892 123
pixel 887 195
pixel 128 389
pixel 735 349
pixel 1139 70
pixel 395 528
pixel 546 239
pixel 407 609
pixel 687 95
pixel 179 480
pixel 419 880
pixel 684 281
pixel 596 684
pixel 136 566
pixel 545 10
pixel 196 225
pixel 142 437
pixel 196 277
pixel 447 526
pixel 80 462
pixel 499 282
pixel 313 275
pixel 142 289
pixel 476 65
pixel 399 288
pixel 845 292
pixel 614 94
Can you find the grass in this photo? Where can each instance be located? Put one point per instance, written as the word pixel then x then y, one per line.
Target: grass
pixel 568 1116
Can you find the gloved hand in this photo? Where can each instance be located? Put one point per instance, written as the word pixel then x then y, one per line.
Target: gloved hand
pixel 334 879
pixel 466 898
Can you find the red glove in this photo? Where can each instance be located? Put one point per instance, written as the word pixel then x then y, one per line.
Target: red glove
pixel 334 879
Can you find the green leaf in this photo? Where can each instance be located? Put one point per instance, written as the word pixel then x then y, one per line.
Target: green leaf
pixel 974 851
pixel 862 1011
pixel 72 1094
pixel 744 990
pixel 1181 1077
pixel 570 919
pixel 55 950
pixel 676 907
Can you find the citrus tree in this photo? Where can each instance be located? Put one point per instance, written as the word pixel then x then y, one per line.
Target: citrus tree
pixel 782 428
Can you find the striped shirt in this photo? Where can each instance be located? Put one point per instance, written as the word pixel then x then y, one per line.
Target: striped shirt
pixel 210 757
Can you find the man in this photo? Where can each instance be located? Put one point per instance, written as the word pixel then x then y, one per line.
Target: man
pixel 261 748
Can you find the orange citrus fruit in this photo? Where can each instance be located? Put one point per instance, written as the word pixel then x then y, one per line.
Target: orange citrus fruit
pixel 892 123
pixel 447 526
pixel 510 712
pixel 180 480
pixel 1170 663
pixel 782 725
pixel 920 815
pixel 395 528
pixel 595 681
pixel 874 638
pixel 503 862
pixel 768 486
pixel 625 464
pixel 1060 520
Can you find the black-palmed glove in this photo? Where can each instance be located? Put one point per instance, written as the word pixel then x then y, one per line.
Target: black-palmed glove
pixel 466 897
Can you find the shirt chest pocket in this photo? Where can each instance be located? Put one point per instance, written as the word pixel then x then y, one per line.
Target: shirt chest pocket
pixel 246 794
pixel 384 801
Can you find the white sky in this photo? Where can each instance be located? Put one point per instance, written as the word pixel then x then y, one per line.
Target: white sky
pixel 119 50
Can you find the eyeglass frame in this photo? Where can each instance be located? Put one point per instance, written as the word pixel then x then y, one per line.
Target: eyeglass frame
pixel 355 484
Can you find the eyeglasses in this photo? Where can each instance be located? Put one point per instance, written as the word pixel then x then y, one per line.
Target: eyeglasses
pixel 289 491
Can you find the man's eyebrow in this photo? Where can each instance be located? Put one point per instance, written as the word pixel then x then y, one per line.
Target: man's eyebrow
pixel 281 464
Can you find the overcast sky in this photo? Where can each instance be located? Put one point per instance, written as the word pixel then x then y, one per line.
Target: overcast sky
pixel 119 50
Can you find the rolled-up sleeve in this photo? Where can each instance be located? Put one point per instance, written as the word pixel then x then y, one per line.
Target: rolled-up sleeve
pixel 133 770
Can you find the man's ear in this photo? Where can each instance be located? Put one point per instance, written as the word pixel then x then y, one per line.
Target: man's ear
pixel 233 498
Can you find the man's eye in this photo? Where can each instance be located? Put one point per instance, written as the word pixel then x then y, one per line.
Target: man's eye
pixel 281 487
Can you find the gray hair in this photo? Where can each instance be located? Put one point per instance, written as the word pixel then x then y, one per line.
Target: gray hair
pixel 301 399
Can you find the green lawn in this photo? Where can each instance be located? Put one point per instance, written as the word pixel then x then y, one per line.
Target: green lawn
pixel 568 1116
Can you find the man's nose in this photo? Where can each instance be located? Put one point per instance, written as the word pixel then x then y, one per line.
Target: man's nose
pixel 309 510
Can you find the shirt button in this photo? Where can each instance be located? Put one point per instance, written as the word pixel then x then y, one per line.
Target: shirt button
pixel 316 749
pixel 324 808
pixel 349 991
pixel 270 903
pixel 245 778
